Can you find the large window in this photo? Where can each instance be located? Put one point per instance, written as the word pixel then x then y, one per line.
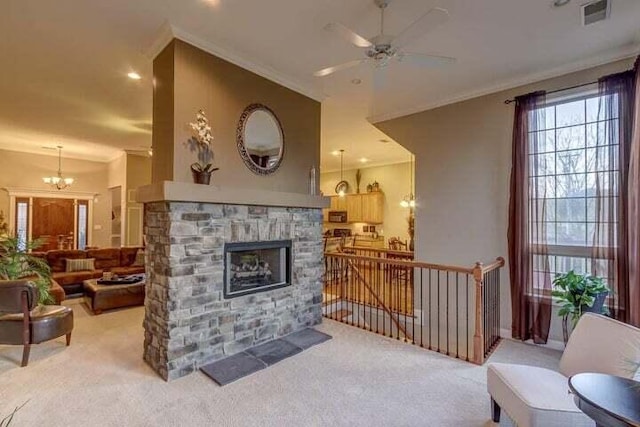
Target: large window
pixel 22 223
pixel 573 164
pixel 82 223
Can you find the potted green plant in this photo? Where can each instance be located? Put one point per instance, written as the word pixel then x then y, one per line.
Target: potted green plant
pixel 578 294
pixel 200 143
pixel 16 263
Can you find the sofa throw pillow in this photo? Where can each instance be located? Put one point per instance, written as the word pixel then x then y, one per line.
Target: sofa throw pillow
pixel 139 262
pixel 86 264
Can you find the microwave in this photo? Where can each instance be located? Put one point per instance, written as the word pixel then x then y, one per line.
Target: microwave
pixel 337 216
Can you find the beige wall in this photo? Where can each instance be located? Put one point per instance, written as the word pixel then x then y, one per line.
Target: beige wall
pixel 223 90
pixel 138 175
pixel 138 171
pixel 462 168
pixel 394 181
pixel 26 171
pixel 117 171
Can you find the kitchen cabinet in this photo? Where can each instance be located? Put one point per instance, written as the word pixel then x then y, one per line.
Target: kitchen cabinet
pixel 365 207
pixel 373 208
pixel 354 208
pixel 338 203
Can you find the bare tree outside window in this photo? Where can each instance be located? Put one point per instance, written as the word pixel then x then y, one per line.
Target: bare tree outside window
pixel 573 162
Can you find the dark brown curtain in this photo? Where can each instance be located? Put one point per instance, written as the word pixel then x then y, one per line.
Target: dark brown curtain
pixel 528 259
pixel 633 218
pixel 610 238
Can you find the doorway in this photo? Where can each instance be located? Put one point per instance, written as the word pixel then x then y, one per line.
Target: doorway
pixel 53 223
pixel 59 222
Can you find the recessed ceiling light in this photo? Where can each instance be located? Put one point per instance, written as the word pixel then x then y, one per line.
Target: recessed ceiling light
pixel 364 160
pixel 356 81
pixel 384 141
pixel 133 75
pixel 560 3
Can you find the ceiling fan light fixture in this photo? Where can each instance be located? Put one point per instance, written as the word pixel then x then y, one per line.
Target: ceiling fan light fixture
pixel 383 48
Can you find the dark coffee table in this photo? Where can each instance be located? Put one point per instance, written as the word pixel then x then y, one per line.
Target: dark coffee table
pixel 105 297
pixel 608 400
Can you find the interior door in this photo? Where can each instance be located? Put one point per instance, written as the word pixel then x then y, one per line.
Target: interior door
pixel 53 222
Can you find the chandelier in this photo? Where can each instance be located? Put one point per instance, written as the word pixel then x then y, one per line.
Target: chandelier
pixel 409 201
pixel 58 182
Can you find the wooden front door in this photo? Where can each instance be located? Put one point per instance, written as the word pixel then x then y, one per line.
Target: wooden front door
pixel 53 222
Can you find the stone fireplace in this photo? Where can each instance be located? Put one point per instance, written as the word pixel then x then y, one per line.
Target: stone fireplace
pixel 226 271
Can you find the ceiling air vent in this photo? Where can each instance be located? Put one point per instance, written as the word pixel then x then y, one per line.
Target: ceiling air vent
pixel 595 11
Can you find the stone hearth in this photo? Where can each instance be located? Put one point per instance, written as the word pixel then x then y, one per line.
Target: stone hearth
pixel 188 322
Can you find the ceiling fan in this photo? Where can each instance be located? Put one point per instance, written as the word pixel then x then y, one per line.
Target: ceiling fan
pixel 383 48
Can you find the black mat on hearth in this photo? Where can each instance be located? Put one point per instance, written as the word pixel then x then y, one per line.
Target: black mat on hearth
pixel 240 365
pixel 228 370
pixel 307 338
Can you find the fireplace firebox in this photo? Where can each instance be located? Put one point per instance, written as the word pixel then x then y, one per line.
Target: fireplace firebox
pixel 252 267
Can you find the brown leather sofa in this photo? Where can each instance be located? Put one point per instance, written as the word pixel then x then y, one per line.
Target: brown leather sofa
pixel 24 322
pixel 56 292
pixel 119 261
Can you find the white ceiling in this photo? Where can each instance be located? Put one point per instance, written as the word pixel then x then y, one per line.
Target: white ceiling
pixel 63 78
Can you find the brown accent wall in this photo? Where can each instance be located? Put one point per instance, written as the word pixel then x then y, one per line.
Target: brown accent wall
pixel 463 164
pixel 163 117
pixel 223 90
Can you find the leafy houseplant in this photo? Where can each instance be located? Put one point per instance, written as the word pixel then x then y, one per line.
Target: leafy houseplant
pixel 16 263
pixel 200 143
pixel 579 294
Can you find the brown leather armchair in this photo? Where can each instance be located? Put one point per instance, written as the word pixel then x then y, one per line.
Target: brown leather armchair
pixel 24 322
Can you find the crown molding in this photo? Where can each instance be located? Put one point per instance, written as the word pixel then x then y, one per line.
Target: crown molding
pixel 163 37
pixel 595 61
pixel 367 165
pixel 168 32
pixel 55 194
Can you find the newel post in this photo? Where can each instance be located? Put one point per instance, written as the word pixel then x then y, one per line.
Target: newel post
pixel 478 337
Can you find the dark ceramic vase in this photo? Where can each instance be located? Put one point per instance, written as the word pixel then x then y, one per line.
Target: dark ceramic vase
pixel 200 177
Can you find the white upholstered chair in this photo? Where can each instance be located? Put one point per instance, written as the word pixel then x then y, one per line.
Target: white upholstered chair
pixel 539 397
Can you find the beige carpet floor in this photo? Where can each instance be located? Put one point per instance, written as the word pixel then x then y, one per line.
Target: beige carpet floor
pixel 355 379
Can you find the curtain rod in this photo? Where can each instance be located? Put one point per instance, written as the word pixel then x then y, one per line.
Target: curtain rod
pixel 509 101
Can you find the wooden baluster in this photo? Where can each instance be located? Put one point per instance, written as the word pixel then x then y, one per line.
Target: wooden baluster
pixel 478 337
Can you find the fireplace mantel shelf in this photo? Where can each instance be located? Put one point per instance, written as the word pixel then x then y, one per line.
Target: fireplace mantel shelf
pixel 174 191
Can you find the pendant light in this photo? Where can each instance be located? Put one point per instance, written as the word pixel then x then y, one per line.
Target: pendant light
pixel 58 182
pixel 409 201
pixel 343 186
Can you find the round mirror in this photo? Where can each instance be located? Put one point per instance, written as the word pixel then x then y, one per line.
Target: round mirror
pixel 260 139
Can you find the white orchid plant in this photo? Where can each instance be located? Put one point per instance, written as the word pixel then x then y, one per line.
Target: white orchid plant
pixel 201 143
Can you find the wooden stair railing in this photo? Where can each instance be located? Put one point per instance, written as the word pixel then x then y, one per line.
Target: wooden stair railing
pixel 450 309
pixel 375 295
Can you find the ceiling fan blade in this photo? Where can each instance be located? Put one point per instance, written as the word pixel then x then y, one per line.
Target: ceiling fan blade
pixel 427 22
pixel 331 70
pixel 347 34
pixel 426 60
